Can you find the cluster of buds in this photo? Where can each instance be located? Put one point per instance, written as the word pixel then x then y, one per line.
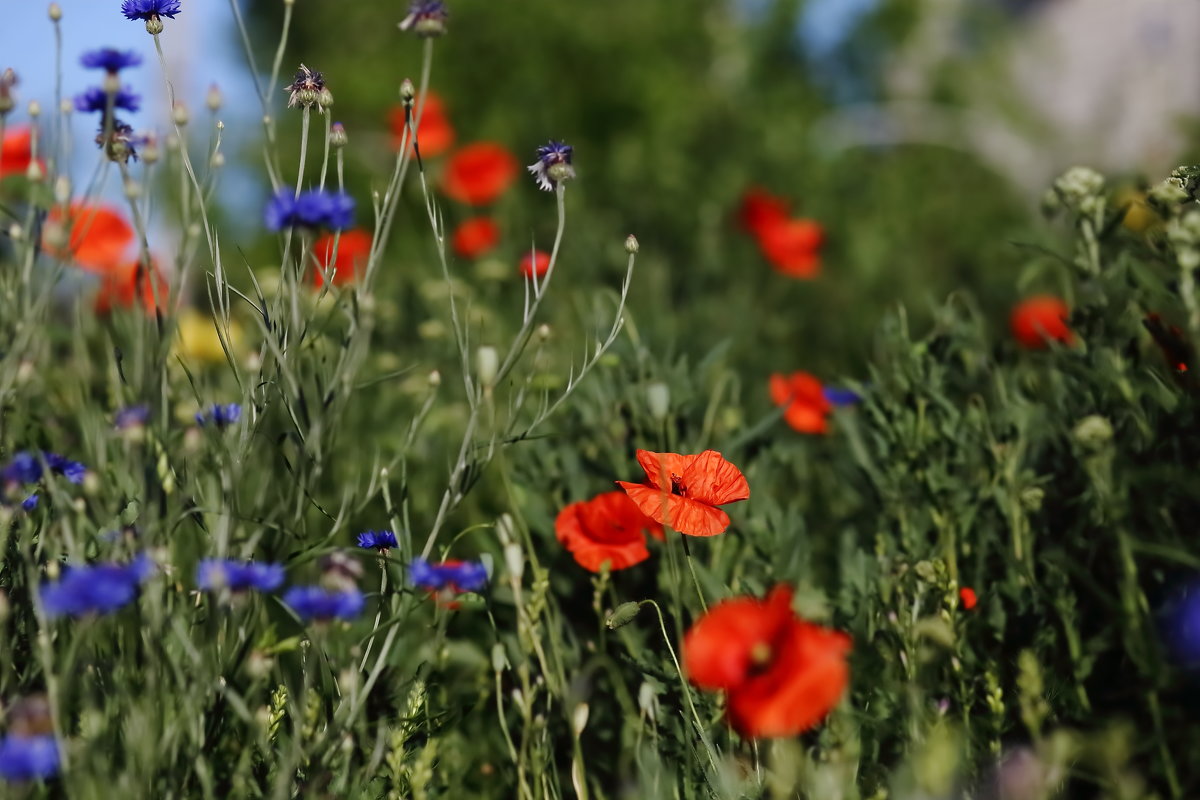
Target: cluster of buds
pixel 1080 190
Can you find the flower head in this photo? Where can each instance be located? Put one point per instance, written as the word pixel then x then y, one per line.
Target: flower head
pixel 26 467
pixel 96 99
pixel 214 574
pixel 316 208
pixel 305 89
pixel 609 528
pixel 968 598
pixel 553 165
pixel 683 491
pixel 219 415
pixel 476 237
pixel 110 59
pixel 131 417
pixel 315 603
pixel 782 675
pixel 479 173
pixel 96 237
pixel 28 758
pixel 151 11
pixel 425 18
pixel 98 589
pixel 760 210
pixel 534 263
pixel 807 405
pixel 353 250
pixel 793 246
pixel 132 284
pixel 377 540
pixel 16 151
pixel 435 134
pixel 456 576
pixel 119 142
pixel 1038 320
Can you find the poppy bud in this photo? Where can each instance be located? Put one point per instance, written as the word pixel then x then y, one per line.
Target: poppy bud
pixel 631 244
pixel 487 361
pixel 658 399
pixel 217 161
pixel 435 379
pixel 623 615
pixel 133 189
pixel 499 657
pixel 579 718
pixel 543 332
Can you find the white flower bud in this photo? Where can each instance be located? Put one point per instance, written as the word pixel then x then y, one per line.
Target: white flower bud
pixel 631 244
pixel 487 361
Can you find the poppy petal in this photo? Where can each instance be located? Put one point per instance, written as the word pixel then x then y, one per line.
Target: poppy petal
pixel 684 514
pixel 609 527
pixel 660 467
pixel 712 480
pixel 719 650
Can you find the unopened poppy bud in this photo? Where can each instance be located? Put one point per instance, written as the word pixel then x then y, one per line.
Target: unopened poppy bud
pixel 579 718
pixel 499 657
pixel 631 244
pixel 35 109
pixel 337 136
pixel 1093 432
pixel 658 399
pixel 62 190
pixel 543 332
pixel 623 615
pixel 213 99
pixel 179 115
pixel 487 361
pixel 435 379
pixel 407 92
pixel 55 12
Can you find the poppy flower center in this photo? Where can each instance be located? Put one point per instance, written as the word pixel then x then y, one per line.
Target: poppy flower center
pixel 677 486
pixel 760 655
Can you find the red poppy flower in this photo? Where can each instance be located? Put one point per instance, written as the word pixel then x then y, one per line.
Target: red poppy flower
pixel 353 249
pixel 97 236
pixel 807 406
pixel 609 527
pixel 535 263
pixel 130 284
pixel 783 675
pixel 16 151
pixel 967 597
pixel 435 134
pixel 1037 320
pixel 479 173
pixel 793 246
pixel 684 491
pixel 476 237
pixel 760 210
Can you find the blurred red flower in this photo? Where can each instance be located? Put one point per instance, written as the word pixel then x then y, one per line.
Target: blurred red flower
pixel 353 249
pixel 968 598
pixel 1037 320
pixel 535 263
pixel 807 406
pixel 435 134
pixel 609 527
pixel 683 491
pixel 476 237
pixel 97 236
pixel 760 209
pixel 782 675
pixel 130 284
pixel 16 151
pixel 793 246
pixel 479 173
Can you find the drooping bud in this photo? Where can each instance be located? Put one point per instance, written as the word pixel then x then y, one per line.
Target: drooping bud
pixel 622 616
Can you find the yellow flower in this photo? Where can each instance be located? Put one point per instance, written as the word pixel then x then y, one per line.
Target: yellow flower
pixel 197 339
pixel 1139 216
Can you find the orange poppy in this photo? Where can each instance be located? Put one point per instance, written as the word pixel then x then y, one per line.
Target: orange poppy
pixel 608 528
pixel 760 210
pixel 129 284
pixel 1037 320
pixel 353 249
pixel 435 134
pixel 479 173
pixel 535 263
pixel 782 675
pixel 97 236
pixel 16 151
pixel 476 237
pixel 793 246
pixel 968 598
pixel 807 406
pixel 684 491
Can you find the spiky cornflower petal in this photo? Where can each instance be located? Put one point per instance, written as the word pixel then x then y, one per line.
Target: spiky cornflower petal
pixel 217 573
pixel 316 603
pixel 150 9
pixel 96 99
pixel 110 59
pixel 459 576
pixel 425 18
pixel 317 208
pixel 219 415
pixel 28 758
pixel 377 540
pixel 97 589
pixel 553 165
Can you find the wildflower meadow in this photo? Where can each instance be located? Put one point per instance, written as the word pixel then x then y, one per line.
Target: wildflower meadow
pixel 539 401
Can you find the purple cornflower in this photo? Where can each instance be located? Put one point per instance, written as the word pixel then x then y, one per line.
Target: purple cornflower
pixel 131 417
pixel 458 576
pixel 305 89
pixel 149 10
pixel 425 18
pixel 98 589
pixel 316 208
pixel 840 397
pixel 96 99
pixel 28 758
pixel 220 415
pixel 110 59
pixel 214 574
pixel 553 165
pixel 315 603
pixel 377 540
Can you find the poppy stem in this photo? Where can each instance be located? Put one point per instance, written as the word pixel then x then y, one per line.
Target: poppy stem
pixel 687 554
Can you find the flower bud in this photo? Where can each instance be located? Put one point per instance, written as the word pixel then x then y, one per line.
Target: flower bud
pixel 337 136
pixel 631 244
pixel 218 160
pixel 543 332
pixel 35 172
pixel 213 98
pixel 325 98
pixel 133 189
pixel 179 115
pixel 35 109
pixel 15 233
pixel 435 379
pixel 55 12
pixel 154 25
pixel 487 362
pixel 407 92
pixel 514 559
pixel 623 615
pixel 1093 432
pixel 579 718
pixel 62 190
pixel 150 152
pixel 658 399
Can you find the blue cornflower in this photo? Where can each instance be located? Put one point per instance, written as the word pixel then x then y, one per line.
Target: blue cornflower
pixel 96 99
pixel 26 467
pixel 840 397
pixel 313 209
pixel 110 59
pixel 28 758
pixel 217 573
pixel 425 18
pixel 30 503
pixel 458 576
pixel 119 141
pixel 131 417
pixel 97 589
pixel 314 602
pixel 149 9
pixel 61 465
pixel 377 540
pixel 553 165
pixel 219 415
